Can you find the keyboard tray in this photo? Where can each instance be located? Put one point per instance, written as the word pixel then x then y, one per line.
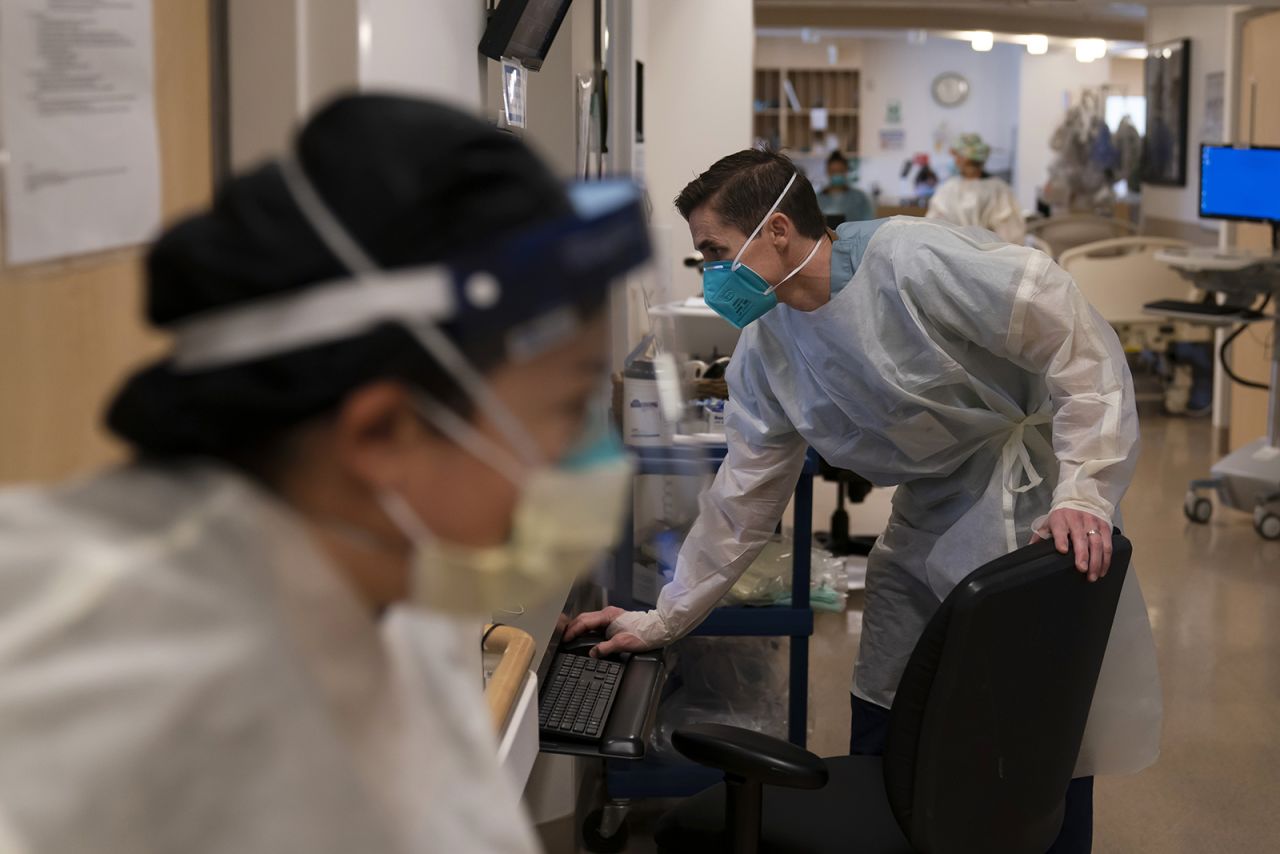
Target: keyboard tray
pixel 631 717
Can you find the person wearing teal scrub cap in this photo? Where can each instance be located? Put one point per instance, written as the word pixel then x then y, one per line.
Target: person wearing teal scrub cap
pixel 972 197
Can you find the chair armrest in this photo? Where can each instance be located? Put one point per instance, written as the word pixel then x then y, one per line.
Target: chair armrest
pixel 751 755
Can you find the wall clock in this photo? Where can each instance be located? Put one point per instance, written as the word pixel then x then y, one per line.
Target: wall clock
pixel 950 89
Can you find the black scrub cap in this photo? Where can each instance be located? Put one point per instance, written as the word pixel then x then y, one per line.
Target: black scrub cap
pixel 412 181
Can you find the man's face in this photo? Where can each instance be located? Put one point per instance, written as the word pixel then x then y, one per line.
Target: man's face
pixel 713 237
pixel 837 167
pixel 719 241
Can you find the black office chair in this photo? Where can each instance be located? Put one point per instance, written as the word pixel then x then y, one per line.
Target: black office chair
pixel 856 488
pixel 983 735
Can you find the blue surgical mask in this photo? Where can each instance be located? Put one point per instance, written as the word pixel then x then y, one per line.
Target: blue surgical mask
pixel 839 180
pixel 736 292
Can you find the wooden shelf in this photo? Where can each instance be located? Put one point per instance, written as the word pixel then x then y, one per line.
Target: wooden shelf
pixel 834 89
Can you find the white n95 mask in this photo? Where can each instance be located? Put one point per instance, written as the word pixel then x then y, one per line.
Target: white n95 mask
pixel 568 516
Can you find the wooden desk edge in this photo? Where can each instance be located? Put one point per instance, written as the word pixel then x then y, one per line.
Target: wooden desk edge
pixel 504 686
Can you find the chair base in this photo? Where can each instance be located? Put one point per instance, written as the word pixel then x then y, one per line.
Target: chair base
pixel 851 814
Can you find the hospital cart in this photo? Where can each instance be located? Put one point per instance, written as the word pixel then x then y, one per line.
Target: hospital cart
pixel 1247 479
pixel 605 830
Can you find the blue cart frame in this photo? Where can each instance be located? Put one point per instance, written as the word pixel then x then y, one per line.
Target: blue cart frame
pixel 655 779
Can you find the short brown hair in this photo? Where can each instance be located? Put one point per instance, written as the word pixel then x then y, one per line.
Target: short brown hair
pixel 743 186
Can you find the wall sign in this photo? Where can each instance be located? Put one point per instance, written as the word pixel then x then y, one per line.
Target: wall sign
pixel 77 107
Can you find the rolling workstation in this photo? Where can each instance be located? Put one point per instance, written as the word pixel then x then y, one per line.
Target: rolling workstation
pixel 1237 183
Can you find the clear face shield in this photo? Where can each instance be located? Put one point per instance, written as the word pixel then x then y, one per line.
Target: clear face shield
pixel 527 287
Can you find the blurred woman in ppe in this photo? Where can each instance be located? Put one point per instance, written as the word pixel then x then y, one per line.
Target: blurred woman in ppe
pixel 972 197
pixel 261 635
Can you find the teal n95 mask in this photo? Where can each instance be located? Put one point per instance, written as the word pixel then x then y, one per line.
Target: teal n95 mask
pixel 736 292
pixel 567 517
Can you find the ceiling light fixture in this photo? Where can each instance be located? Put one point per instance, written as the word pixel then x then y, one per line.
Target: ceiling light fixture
pixel 982 40
pixel 1037 45
pixel 1087 50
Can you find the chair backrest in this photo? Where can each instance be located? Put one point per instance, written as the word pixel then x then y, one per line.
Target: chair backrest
pixel 1071 230
pixel 989 716
pixel 1121 275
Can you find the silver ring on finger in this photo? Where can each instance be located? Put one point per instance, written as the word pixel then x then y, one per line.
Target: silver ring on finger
pixel 1091 533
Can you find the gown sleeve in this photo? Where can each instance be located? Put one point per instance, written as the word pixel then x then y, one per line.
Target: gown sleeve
pixel 940 202
pixel 1004 216
pixel 739 512
pixel 1016 303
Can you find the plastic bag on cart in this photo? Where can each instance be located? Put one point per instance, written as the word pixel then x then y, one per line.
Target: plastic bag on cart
pixel 741 681
pixel 768 580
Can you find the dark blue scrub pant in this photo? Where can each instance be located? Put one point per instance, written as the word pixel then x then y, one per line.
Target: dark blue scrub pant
pixel 871 728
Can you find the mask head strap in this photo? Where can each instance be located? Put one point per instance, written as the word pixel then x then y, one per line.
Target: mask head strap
pixel 446 354
pixel 323 221
pixel 737 260
pixel 521 291
pixel 462 434
pixel 805 263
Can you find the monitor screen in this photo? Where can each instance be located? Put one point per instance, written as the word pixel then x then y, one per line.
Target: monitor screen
pixel 1240 183
pixel 523 30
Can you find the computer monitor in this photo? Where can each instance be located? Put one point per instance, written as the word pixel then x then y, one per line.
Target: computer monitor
pixel 523 30
pixel 1240 183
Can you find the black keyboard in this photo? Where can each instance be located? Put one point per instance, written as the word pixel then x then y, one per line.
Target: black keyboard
pixel 1179 307
pixel 578 695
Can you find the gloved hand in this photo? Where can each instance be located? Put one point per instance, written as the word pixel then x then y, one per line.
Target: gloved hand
pixel 602 621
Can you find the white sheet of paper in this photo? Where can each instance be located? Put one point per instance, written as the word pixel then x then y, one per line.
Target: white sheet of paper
pixel 77 113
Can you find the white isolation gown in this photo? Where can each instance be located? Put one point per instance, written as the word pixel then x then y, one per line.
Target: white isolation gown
pixel 985 202
pixel 181 670
pixel 973 375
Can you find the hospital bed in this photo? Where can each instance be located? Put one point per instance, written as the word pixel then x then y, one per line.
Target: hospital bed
pixel 1119 276
pixel 1071 230
pixel 1039 243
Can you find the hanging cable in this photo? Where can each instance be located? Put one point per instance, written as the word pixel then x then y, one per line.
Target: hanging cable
pixel 1226 344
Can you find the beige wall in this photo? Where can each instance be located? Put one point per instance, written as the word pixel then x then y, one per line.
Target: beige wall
pixel 287 58
pixel 1250 354
pixel 71 330
pixel 284 58
pixel 1126 75
pixel 698 107
pixel 1207 28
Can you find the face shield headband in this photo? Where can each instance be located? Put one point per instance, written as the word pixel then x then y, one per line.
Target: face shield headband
pixel 525 286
